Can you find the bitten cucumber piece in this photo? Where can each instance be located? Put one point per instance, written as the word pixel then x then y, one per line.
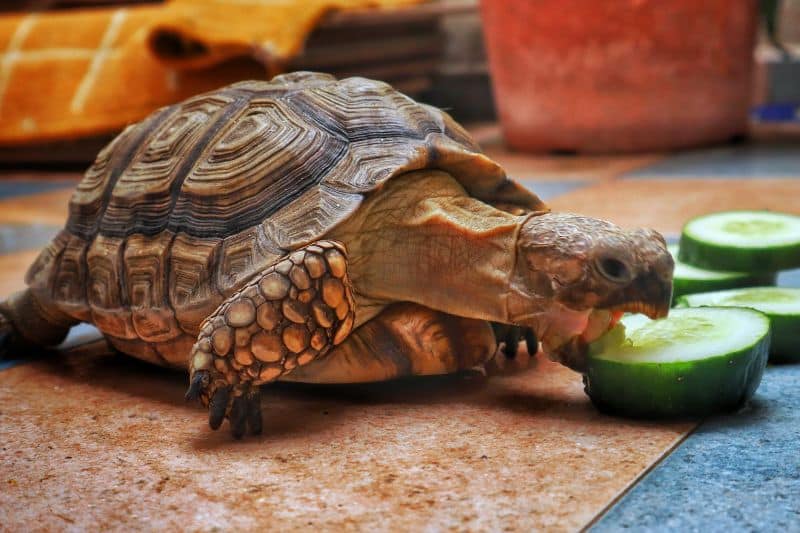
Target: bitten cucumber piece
pixel 742 241
pixel 780 304
pixel 694 362
pixel 688 279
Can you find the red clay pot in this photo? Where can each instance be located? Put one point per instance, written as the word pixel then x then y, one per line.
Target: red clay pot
pixel 620 75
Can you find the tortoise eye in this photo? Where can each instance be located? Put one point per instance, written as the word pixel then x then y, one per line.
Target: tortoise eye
pixel 614 269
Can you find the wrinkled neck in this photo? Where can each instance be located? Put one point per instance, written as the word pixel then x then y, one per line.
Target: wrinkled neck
pixel 423 239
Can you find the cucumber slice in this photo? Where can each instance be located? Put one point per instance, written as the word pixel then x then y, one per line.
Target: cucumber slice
pixel 780 304
pixel 694 362
pixel 742 241
pixel 688 279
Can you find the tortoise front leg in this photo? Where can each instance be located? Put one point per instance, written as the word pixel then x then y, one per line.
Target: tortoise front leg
pixel 509 336
pixel 291 314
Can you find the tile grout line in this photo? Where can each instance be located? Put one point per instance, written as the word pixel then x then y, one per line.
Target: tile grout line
pixel 640 477
pixel 718 177
pixel 655 159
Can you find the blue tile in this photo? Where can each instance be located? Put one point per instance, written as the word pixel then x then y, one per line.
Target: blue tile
pixel 8 363
pixel 81 334
pixel 13 188
pixel 739 472
pixel 743 161
pixel 5 364
pixel 16 237
pixel 789 278
pixel 78 335
pixel 550 189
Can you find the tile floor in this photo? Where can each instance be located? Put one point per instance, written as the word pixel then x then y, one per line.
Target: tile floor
pixel 96 441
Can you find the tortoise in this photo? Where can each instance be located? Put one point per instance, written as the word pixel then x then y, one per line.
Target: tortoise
pixel 327 231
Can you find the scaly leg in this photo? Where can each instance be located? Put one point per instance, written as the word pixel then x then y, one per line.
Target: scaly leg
pixel 27 322
pixel 288 316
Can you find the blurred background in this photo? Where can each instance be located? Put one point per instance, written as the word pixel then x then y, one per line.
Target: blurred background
pixel 560 76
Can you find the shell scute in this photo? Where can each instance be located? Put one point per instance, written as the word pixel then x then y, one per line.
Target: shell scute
pixel 141 200
pixel 145 262
pixel 69 283
pixel 109 307
pixel 266 160
pixel 193 295
pixel 242 256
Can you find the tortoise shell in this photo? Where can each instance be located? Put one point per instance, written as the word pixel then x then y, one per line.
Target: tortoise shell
pixel 181 209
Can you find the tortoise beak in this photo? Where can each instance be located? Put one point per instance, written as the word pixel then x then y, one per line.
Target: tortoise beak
pixel 650 294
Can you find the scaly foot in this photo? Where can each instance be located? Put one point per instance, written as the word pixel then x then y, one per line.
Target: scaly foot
pixel 290 315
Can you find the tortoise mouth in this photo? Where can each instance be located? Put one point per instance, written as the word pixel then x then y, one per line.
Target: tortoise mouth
pixel 566 335
pixel 651 310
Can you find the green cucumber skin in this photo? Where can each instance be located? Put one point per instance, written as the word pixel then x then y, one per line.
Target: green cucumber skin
pixel 684 286
pixel 726 257
pixel 691 388
pixel 785 345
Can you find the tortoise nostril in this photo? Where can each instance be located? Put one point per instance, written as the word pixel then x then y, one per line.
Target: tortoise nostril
pixel 614 269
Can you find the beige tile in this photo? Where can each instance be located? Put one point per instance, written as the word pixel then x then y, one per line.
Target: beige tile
pixel 666 204
pixel 543 167
pixel 12 270
pixel 44 208
pixel 97 442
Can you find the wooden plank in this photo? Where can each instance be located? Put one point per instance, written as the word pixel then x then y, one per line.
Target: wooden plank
pixel 404 15
pixel 370 52
pixel 55 5
pixel 12 270
pixel 45 208
pixel 76 153
pixel 389 72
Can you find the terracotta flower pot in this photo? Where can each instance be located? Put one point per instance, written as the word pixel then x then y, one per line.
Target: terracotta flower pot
pixel 620 75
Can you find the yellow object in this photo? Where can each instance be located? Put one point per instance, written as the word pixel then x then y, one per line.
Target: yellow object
pixel 70 74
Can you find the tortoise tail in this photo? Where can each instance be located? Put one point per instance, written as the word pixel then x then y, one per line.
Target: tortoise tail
pixel 25 322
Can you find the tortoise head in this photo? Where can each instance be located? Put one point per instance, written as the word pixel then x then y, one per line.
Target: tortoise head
pixel 575 276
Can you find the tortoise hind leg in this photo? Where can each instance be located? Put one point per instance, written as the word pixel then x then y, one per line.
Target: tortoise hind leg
pixel 406 339
pixel 26 321
pixel 291 314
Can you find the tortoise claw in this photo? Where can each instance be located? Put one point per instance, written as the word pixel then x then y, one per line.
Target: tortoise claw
pixel 253 399
pixel 508 337
pixel 511 346
pixel 6 337
pixel 199 381
pixel 531 342
pixel 240 404
pixel 218 406
pixel 238 417
pixel 5 342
